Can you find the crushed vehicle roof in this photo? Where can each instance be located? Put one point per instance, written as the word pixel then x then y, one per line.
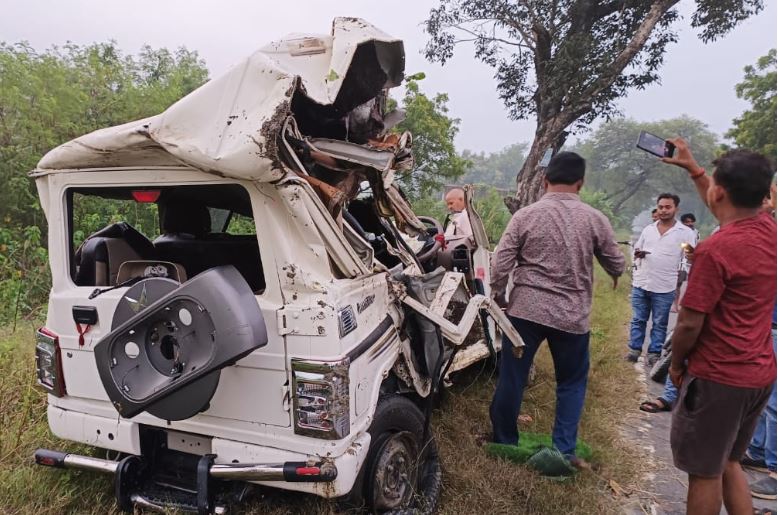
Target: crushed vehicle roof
pixel 230 125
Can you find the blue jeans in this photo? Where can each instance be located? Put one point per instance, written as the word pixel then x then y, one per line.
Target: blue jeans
pixel 671 392
pixel 763 443
pixel 570 353
pixel 655 305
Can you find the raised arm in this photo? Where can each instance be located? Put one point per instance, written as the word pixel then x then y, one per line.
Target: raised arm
pixel 683 157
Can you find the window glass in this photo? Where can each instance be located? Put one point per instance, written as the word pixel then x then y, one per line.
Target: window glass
pixel 92 213
pixel 185 229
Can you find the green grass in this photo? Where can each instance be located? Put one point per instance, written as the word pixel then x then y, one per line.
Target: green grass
pixel 473 481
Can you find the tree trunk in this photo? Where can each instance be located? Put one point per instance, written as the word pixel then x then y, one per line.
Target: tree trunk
pixel 529 181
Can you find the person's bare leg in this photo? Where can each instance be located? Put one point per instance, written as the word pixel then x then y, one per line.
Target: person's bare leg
pixel 704 497
pixel 736 493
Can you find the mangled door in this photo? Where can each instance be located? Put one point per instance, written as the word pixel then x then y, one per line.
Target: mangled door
pixel 444 308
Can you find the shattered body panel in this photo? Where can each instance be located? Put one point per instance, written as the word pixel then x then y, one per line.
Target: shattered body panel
pixel 228 127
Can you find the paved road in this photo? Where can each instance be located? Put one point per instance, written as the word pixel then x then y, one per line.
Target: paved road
pixel 665 491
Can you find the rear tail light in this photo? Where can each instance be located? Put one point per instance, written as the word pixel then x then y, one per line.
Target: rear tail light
pixel 48 362
pixel 321 399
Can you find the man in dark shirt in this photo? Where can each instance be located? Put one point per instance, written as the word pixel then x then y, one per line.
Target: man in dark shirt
pixel 549 248
pixel 723 359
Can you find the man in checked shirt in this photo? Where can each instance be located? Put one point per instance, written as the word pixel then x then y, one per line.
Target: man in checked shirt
pixel 549 246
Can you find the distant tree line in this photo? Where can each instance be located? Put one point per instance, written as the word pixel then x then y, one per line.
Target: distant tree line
pixel 50 97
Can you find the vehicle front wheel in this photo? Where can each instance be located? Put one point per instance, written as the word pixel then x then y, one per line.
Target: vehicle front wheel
pixel 401 473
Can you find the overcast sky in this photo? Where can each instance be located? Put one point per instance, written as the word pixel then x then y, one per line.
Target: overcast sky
pixel 697 80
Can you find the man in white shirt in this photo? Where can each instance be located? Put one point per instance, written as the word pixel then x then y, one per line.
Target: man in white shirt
pixel 458 228
pixel 658 254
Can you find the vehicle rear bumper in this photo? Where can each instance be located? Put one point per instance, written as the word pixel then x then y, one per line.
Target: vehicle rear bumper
pixel 233 460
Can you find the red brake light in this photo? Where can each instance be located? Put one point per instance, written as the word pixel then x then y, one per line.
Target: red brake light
pixel 145 196
pixel 48 362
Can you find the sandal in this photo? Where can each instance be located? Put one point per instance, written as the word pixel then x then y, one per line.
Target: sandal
pixel 655 406
pixel 763 511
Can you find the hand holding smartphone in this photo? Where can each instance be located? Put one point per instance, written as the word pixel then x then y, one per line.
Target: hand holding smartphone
pixel 655 145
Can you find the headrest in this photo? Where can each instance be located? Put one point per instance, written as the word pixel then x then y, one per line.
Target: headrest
pixel 186 217
pixel 95 249
pixel 122 230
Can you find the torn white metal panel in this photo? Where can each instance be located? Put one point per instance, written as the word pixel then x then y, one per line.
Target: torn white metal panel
pixel 322 61
pixel 444 293
pixel 381 160
pixel 476 223
pixel 229 126
pixel 457 333
pixel 469 355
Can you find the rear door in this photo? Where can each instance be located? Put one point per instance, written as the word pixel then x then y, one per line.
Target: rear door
pixel 481 256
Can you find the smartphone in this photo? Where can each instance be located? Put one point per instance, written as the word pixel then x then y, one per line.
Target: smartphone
pixel 655 145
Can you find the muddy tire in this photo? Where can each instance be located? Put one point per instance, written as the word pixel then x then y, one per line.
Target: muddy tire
pixel 401 473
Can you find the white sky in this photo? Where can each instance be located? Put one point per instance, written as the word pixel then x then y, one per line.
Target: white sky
pixel 698 79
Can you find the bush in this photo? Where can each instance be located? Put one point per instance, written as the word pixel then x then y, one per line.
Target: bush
pixel 25 278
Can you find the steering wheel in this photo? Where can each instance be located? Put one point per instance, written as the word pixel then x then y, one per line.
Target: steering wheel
pixel 432 245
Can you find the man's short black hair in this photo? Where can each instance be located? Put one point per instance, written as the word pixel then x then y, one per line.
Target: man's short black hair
pixel 688 216
pixel 566 168
pixel 675 198
pixel 745 176
pixel 654 211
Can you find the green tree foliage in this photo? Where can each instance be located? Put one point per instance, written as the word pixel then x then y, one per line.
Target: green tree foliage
pixel 756 128
pixel 497 169
pixel 48 98
pixel 629 179
pixel 566 62
pixel 437 161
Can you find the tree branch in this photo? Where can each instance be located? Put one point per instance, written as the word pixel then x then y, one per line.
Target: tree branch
pixel 616 67
pixel 478 36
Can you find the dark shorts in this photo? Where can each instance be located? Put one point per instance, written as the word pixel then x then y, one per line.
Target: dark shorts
pixel 713 424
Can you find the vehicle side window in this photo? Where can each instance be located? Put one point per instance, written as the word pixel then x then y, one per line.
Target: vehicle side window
pixel 91 213
pixel 241 225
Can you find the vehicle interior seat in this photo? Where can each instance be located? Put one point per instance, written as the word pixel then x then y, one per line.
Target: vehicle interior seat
pixel 101 255
pixel 187 239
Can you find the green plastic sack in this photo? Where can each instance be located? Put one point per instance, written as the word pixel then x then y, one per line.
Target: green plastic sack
pixel 530 445
pixel 550 462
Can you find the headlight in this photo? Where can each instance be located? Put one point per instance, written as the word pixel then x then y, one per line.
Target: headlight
pixel 321 399
pixel 48 362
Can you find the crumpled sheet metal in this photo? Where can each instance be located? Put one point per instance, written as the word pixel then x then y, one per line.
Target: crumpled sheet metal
pixel 228 126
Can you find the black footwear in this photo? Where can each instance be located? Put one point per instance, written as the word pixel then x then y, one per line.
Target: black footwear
pixel 632 356
pixel 653 357
pixel 750 463
pixel 764 488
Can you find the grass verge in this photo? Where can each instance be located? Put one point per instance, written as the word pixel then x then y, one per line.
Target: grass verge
pixel 473 481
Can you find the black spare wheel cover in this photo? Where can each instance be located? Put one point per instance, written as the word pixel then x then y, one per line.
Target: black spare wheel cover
pixel 168 342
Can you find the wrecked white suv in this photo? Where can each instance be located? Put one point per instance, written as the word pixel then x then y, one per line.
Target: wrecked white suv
pixel 242 294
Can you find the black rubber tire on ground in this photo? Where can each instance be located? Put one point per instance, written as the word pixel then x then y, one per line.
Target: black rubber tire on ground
pixel 395 449
pixel 660 369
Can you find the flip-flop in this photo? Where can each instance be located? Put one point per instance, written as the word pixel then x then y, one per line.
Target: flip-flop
pixel 655 406
pixel 764 511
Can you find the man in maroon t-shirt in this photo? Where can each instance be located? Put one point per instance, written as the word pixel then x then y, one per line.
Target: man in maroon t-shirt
pixel 723 359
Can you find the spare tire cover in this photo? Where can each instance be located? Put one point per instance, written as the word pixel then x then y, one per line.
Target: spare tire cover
pixel 168 342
